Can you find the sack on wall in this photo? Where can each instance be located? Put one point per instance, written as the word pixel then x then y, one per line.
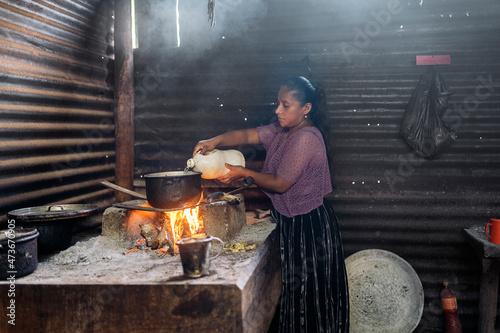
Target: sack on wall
pixel 422 126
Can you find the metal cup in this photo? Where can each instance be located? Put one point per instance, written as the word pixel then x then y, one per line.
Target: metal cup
pixel 195 255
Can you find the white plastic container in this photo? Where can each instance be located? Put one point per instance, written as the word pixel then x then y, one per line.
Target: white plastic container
pixel 212 166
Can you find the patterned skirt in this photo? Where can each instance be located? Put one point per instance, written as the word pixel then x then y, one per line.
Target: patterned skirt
pixel 314 291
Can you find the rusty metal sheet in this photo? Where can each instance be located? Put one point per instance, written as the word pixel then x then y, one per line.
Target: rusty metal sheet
pixel 56 103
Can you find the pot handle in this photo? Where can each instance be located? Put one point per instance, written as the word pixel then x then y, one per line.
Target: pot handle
pixel 486 230
pixel 222 247
pixel 246 182
pixel 61 208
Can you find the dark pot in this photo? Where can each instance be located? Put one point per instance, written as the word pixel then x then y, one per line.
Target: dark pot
pixel 54 223
pixel 173 189
pixel 55 235
pixel 18 252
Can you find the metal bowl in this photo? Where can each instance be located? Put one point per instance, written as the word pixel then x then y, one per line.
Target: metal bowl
pixel 385 293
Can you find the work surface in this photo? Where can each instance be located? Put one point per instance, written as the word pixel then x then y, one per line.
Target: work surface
pixel 100 259
pixel 481 242
pixel 94 287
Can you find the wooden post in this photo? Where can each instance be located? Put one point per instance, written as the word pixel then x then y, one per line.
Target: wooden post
pixel 488 292
pixel 124 98
pixel 488 295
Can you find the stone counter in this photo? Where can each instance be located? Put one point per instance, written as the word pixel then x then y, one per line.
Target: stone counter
pixel 94 287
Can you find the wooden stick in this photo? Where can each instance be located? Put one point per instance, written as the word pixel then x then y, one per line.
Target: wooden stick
pixel 131 250
pixel 124 190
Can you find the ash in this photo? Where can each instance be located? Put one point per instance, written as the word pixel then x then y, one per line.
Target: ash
pixel 100 259
pixel 93 250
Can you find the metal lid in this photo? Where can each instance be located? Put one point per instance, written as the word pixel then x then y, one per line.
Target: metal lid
pixel 17 235
pixel 385 293
pixel 169 174
pixel 54 212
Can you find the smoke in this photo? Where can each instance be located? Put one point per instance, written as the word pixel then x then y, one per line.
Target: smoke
pixel 232 19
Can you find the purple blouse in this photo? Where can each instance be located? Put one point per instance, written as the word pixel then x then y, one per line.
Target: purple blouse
pixel 301 160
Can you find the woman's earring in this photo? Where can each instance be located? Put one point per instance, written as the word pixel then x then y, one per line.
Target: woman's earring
pixel 305 116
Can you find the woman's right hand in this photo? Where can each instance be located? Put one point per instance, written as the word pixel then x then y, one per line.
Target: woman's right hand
pixel 204 146
pixel 232 138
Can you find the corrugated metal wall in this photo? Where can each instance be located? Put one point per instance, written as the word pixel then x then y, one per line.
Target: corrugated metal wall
pixel 56 102
pixel 364 53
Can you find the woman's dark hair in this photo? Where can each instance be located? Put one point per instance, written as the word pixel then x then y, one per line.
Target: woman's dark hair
pixel 305 92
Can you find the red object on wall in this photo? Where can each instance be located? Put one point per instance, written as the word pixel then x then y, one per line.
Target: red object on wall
pixel 433 60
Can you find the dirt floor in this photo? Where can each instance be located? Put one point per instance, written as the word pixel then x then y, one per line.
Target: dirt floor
pixel 99 259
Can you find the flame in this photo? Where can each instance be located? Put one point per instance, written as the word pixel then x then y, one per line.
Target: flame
pixel 175 222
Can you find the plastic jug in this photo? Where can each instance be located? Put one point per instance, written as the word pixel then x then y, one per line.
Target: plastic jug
pixel 212 166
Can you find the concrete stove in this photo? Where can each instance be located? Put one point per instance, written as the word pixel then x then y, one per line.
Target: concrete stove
pixel 94 287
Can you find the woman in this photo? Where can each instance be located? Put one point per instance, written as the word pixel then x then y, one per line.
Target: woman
pixel 296 177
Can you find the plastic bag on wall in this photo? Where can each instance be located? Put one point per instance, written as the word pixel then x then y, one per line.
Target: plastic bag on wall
pixel 422 126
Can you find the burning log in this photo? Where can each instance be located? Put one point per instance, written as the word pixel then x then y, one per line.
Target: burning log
pixel 158 239
pixel 166 240
pixel 150 232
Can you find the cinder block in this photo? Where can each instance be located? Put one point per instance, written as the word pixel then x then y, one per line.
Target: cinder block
pixel 223 220
pixel 124 224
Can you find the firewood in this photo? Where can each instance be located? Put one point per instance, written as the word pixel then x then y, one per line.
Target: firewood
pixel 260 214
pixel 176 229
pixel 134 249
pixel 166 240
pixel 150 233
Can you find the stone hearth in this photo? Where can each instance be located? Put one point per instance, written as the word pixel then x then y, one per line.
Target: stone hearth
pixel 220 219
pixel 94 287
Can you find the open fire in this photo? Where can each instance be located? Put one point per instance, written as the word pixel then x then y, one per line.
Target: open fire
pixel 163 233
pixel 159 231
pixel 180 219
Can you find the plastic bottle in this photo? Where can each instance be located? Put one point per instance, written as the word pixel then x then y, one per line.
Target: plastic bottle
pixel 449 303
pixel 212 166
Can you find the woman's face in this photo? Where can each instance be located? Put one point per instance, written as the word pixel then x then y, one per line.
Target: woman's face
pixel 289 111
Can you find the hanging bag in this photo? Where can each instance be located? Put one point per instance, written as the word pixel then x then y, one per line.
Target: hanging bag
pixel 422 126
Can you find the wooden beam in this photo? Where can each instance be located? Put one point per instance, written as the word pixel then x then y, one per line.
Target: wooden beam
pixel 124 98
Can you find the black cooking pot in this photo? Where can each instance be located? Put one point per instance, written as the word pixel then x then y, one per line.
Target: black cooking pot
pixel 18 252
pixel 54 223
pixel 173 189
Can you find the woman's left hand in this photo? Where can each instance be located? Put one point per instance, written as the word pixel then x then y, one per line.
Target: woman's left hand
pixel 267 181
pixel 235 172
